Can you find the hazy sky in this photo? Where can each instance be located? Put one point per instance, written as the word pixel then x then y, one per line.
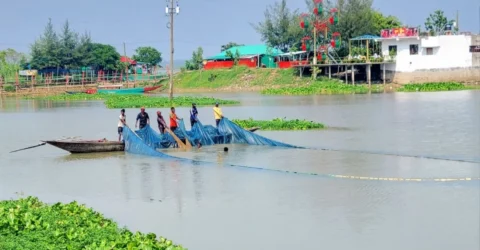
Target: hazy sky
pixel 206 23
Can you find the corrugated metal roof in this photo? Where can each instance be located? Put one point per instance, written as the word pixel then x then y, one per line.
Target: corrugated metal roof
pixel 248 50
pixel 365 37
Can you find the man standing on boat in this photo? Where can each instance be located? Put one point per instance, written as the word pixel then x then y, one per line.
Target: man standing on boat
pixel 193 114
pixel 217 111
pixel 162 125
pixel 121 123
pixel 143 118
pixel 173 120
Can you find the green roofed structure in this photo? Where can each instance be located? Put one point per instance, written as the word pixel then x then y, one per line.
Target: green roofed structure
pixel 250 55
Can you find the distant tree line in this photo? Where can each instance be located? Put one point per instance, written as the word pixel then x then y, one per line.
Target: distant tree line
pixel 71 50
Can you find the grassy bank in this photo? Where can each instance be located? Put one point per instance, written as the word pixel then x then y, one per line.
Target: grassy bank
pixel 279 124
pixel 137 100
pixel 30 224
pixel 432 86
pixel 236 78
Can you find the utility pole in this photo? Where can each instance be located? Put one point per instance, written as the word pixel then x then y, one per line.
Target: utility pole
pixel 457 29
pixel 126 65
pixel 171 10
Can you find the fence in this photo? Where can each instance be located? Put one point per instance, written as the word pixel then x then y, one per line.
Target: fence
pixel 76 79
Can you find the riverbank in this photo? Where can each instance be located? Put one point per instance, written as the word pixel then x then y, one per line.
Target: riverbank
pixel 266 81
pixel 28 223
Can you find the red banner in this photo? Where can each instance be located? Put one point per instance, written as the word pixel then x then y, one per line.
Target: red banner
pixel 399 32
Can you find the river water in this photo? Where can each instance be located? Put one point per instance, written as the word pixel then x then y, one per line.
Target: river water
pixel 217 207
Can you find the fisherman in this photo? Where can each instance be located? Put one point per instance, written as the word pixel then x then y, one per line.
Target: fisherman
pixel 193 114
pixel 121 123
pixel 143 118
pixel 173 120
pixel 217 111
pixel 162 125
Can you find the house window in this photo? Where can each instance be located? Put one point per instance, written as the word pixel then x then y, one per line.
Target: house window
pixel 392 50
pixel 413 49
pixel 475 48
pixel 429 51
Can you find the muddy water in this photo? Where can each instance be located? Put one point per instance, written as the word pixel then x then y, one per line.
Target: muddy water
pixel 215 207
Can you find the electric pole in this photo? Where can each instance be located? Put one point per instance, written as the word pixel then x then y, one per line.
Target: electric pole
pixel 126 64
pixel 171 10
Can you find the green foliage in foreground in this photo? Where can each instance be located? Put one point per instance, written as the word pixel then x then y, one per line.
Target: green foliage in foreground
pixel 432 86
pixel 30 224
pixel 279 124
pixel 139 100
pixel 317 88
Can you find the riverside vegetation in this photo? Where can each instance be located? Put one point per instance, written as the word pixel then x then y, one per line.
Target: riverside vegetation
pixel 432 86
pixel 279 124
pixel 28 223
pixel 137 100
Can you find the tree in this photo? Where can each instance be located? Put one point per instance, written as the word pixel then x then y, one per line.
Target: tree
pixel 68 44
pixel 83 53
pixel 196 62
pixel 148 55
pixel 234 56
pixel 436 23
pixel 230 45
pixel 381 22
pixel 105 57
pixel 281 28
pixel 10 62
pixel 45 51
pixel 356 18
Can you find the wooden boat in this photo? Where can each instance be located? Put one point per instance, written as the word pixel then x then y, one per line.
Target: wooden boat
pixel 122 91
pixel 77 147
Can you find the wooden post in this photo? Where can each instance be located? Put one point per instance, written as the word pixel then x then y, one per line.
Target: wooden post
pixel 368 57
pixel 329 71
pixel 369 75
pixel 16 81
pixel 346 75
pixel 384 74
pixel 353 75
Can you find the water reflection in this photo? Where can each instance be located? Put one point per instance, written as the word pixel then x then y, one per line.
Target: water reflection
pixel 197 180
pixel 146 185
pixel 125 180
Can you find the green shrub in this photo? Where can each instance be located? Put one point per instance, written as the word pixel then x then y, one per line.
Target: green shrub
pixel 9 88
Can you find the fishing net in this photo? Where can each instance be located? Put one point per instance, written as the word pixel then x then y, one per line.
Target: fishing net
pixel 240 135
pixel 153 139
pixel 136 145
pixel 146 140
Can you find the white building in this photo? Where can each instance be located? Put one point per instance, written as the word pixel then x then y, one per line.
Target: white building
pixel 432 59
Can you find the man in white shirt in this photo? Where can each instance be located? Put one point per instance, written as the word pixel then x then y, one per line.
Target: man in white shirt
pixel 122 121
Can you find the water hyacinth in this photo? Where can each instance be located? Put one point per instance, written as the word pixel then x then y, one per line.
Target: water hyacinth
pixel 318 88
pixel 139 100
pixel 30 224
pixel 279 124
pixel 432 86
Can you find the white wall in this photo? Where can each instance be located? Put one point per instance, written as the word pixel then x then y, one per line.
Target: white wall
pixel 448 52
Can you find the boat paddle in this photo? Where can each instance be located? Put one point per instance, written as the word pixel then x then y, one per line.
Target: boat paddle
pixel 38 145
pixel 41 144
pixel 179 142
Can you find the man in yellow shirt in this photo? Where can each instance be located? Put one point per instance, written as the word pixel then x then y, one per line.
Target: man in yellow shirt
pixel 217 112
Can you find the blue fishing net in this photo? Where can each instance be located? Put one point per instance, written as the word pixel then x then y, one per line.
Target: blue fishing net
pixel 136 145
pixel 153 139
pixel 240 135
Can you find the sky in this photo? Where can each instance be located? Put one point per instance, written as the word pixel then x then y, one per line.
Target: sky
pixel 205 23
